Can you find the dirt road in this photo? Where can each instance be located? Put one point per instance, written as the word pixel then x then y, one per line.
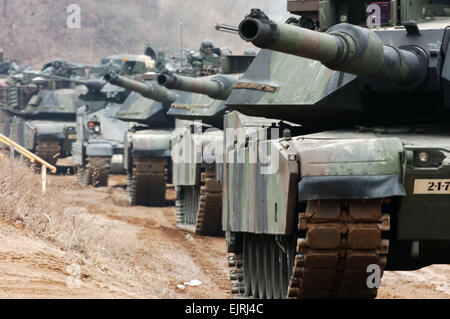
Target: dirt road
pixel 85 242
pixel 121 251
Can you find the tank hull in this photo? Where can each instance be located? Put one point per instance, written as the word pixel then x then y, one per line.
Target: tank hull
pixel 147 161
pixel 102 151
pixel 347 168
pixel 52 139
pixel 197 177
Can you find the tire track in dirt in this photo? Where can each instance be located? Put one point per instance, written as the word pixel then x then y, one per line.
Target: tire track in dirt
pixel 163 252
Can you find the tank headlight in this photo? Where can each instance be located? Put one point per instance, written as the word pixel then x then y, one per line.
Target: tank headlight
pixel 94 127
pixel 428 158
pixel 423 157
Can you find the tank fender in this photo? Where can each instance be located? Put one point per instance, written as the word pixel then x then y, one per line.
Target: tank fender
pixel 127 146
pixel 99 149
pixel 259 198
pixel 185 157
pixel 47 130
pixel 78 156
pixel 28 138
pixel 212 143
pixel 151 143
pixel 349 168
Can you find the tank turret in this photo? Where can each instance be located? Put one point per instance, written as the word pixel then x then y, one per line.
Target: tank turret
pixel 149 90
pixel 344 47
pixel 348 75
pixel 202 98
pixel 219 87
pixel 373 108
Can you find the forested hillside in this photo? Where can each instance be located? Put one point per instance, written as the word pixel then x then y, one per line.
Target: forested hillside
pixel 35 31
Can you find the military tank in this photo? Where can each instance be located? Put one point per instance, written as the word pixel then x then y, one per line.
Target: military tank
pixel 98 150
pixel 38 112
pixel 361 186
pixel 196 171
pixel 197 175
pixel 147 144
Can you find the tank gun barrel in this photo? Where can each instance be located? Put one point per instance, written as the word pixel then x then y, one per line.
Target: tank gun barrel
pixel 227 28
pixel 95 85
pixel 219 87
pixel 344 47
pixel 149 90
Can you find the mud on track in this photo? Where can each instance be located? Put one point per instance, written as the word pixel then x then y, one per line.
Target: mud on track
pixel 123 251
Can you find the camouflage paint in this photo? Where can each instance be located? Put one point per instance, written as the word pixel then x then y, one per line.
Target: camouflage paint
pixel 199 107
pixel 150 89
pixel 295 96
pixel 62 101
pixel 186 172
pixel 153 143
pixel 216 87
pixel 256 202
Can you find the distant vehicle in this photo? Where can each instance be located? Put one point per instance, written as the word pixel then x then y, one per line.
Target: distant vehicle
pixel 39 112
pixel 98 150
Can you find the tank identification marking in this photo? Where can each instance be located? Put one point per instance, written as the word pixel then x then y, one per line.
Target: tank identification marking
pixel 257 86
pixel 128 113
pixel 190 107
pixel 432 186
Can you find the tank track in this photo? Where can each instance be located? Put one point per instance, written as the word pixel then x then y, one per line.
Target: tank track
pixel 147 183
pixel 209 215
pixel 48 150
pixel 335 242
pixel 200 212
pixel 187 207
pixel 95 173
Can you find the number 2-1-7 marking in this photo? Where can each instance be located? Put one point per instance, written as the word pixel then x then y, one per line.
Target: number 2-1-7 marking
pixel 432 186
pixel 439 186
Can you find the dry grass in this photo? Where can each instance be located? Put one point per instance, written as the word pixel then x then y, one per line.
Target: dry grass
pixel 122 250
pixel 47 216
pixel 93 241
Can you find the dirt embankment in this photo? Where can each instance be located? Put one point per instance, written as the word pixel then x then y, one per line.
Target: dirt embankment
pixel 85 242
pixel 120 251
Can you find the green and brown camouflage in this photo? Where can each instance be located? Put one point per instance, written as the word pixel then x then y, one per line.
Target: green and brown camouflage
pixel 93 85
pixel 204 97
pixel 39 108
pixel 199 107
pixel 365 99
pixel 343 47
pixel 99 149
pixel 198 141
pixel 41 120
pixel 218 87
pixel 147 104
pixel 368 161
pixel 206 101
pixel 150 90
pixel 147 143
pixel 245 186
